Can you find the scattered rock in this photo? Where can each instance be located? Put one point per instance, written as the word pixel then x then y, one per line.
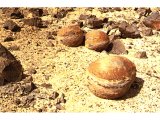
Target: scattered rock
pixel 17 101
pixel 129 31
pixel 153 21
pixel 147 32
pixel 27 87
pixel 71 36
pixel 94 23
pixel 36 12
pixel 13 13
pixel 118 47
pixel 36 21
pixel 61 13
pixel 26 102
pixel 10 68
pixel 10 25
pixel 77 22
pixel 109 9
pixel 59 107
pixel 50 36
pixel 143 11
pixel 54 95
pixel 141 54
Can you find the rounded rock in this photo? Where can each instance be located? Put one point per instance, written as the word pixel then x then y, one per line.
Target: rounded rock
pixel 71 36
pixel 97 40
pixel 111 77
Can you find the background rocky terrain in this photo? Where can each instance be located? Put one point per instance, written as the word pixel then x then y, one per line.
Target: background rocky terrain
pixel 54 77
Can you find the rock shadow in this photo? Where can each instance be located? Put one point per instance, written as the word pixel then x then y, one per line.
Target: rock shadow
pixel 134 89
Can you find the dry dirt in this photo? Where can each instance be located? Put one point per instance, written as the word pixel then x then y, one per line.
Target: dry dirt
pixel 63 68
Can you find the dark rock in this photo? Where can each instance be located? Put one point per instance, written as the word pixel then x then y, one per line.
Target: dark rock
pixel 135 85
pixel 36 21
pixel 50 36
pixel 153 21
pixel 10 25
pixel 13 13
pixel 118 47
pixel 40 110
pixel 129 30
pixel 62 100
pixel 36 12
pixel 54 95
pixel 10 69
pixel 8 39
pixel 141 54
pixel 28 87
pixel 26 102
pixel 61 13
pixel 143 11
pixel 47 85
pixel 17 101
pixel 59 107
pixel 105 20
pixel 77 22
pixel 94 23
pixel 147 32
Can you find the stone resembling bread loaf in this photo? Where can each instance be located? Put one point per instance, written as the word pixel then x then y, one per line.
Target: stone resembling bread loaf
pixel 96 40
pixel 71 36
pixel 111 77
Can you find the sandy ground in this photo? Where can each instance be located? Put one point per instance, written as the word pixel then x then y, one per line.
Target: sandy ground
pixel 64 69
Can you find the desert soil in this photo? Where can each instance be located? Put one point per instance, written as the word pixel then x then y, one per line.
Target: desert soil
pixel 56 67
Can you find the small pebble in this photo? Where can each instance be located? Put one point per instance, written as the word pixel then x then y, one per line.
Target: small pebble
pixel 54 95
pixel 49 44
pixel 59 107
pixel 141 54
pixel 17 101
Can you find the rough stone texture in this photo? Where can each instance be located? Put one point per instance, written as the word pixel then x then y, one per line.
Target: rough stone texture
pixel 66 68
